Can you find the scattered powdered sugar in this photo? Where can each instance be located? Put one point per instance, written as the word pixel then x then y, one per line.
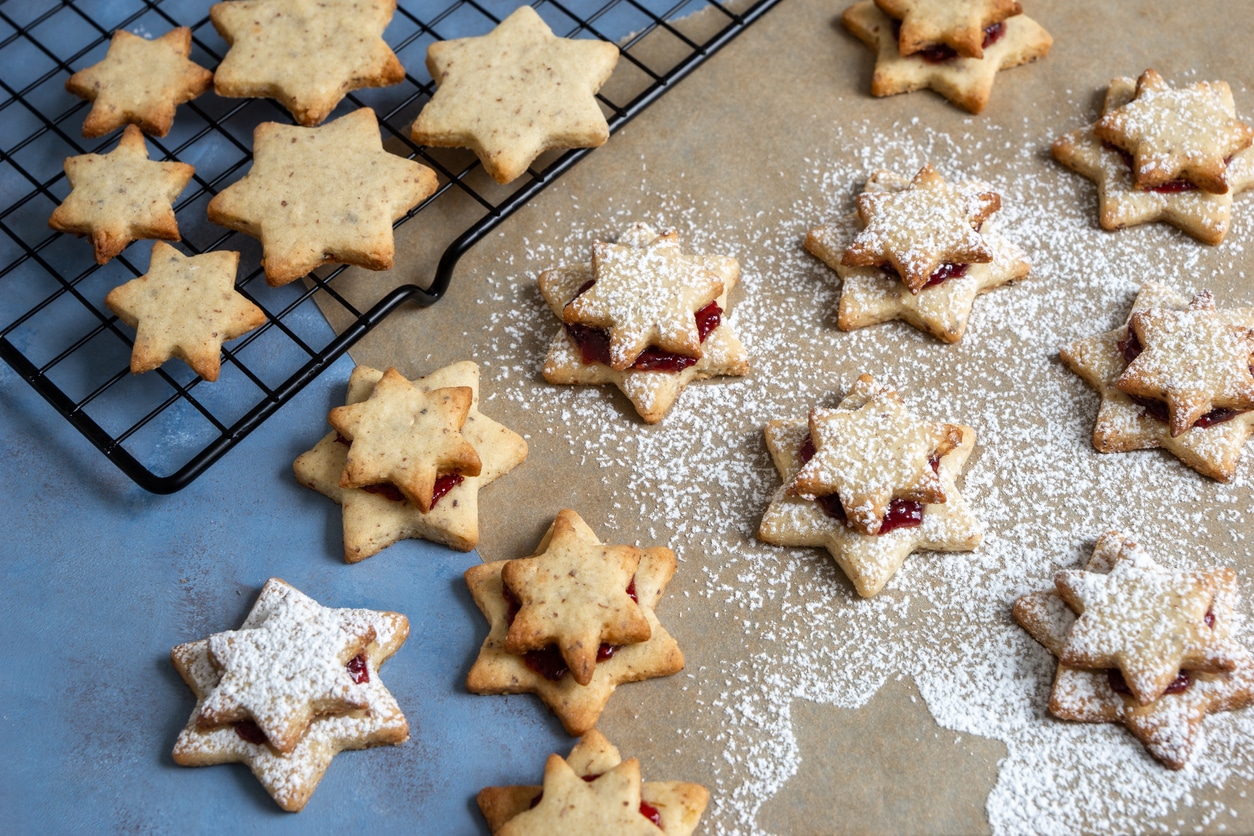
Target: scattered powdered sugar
pixel 790 625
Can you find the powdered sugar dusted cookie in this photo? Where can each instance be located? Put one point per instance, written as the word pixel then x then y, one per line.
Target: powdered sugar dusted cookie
pixel 291 777
pixel 376 516
pixel 1127 420
pixel 960 26
pixel 515 93
pixel 656 299
pixel 870 560
pixel 497 670
pixel 674 806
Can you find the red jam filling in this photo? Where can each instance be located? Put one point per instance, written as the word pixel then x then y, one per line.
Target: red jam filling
pixel 357 669
pixel 942 53
pixel 548 662
pixel 443 484
pixel 943 273
pixel 646 809
pixel 902 513
pixel 1130 347
pixel 1210 619
pixel 1117 684
pixel 250 732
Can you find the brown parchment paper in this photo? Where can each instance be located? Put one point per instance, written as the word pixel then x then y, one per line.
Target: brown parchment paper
pixel 734 157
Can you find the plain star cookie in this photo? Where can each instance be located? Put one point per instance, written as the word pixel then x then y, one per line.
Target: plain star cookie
pixel 376 516
pixel 645 273
pixel 307 54
pixel 319 195
pixel 121 196
pixel 497 670
pixel 291 777
pixel 960 26
pixel 516 92
pixel 967 82
pixel 870 560
pixel 141 82
pixel 185 307
pixel 1126 420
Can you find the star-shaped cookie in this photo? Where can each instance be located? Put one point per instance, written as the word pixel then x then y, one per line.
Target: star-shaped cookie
pixel 1121 203
pixel 569 804
pixel 498 671
pixel 121 196
pixel 967 82
pixel 374 517
pixel 653 382
pixel 674 806
pixel 1125 424
pixel 516 92
pixel 140 81
pixel 868 560
pixel 318 195
pixel 307 54
pixel 291 778
pixel 960 26
pixel 185 307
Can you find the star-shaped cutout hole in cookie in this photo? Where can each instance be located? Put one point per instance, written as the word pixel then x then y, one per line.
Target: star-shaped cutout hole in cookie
pixel 319 195
pixel 140 81
pixel 868 560
pixel 569 804
pixel 927 24
pixel 291 777
pixel 307 54
pixel 1177 134
pixel 121 196
pixel 376 516
pixel 514 93
pixel 498 671
pixel 1212 446
pixel 185 307
pixel 967 82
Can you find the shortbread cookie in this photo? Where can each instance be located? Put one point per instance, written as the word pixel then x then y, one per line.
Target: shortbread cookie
pixel 927 25
pixel 1212 446
pixel 319 195
pixel 1169 727
pixel 121 196
pixel 291 777
pixel 674 806
pixel 869 560
pixel 1121 203
pixel 307 54
pixel 141 82
pixel 544 673
pixel 967 82
pixel 516 92
pixel 376 516
pixel 185 307
pixel 645 274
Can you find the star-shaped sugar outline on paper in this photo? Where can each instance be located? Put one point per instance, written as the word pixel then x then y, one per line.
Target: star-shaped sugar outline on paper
pixel 1120 203
pixel 1177 133
pixel 609 804
pixel 652 393
pixel 140 81
pixel 291 778
pixel 1170 728
pixel 372 521
pixel 320 195
pixel 967 82
pixel 516 92
pixel 406 436
pixel 121 196
pixel 573 593
pixel 869 561
pixel 679 804
pixel 960 26
pixel 497 671
pixel 185 307
pixel 307 54
pixel 1123 425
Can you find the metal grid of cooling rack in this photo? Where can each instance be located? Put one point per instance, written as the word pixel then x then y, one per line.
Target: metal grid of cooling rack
pixel 164 428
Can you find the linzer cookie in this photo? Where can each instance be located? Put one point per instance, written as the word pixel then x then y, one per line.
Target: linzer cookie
pixel 1177 375
pixel 1164 154
pixel 932 45
pixel 644 316
pixel 294 686
pixel 870 482
pixel 673 806
pixel 377 515
pixel 1141 646
pixel 925 251
pixel 572 621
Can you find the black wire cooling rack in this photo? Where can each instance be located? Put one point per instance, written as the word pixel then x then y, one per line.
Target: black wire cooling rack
pixel 165 428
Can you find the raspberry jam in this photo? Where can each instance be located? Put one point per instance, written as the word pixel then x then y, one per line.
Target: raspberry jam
pixel 548 662
pixel 1130 347
pixel 646 809
pixel 1117 684
pixel 357 669
pixel 942 53
pixel 1210 619
pixel 943 273
pixel 902 513
pixel 250 732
